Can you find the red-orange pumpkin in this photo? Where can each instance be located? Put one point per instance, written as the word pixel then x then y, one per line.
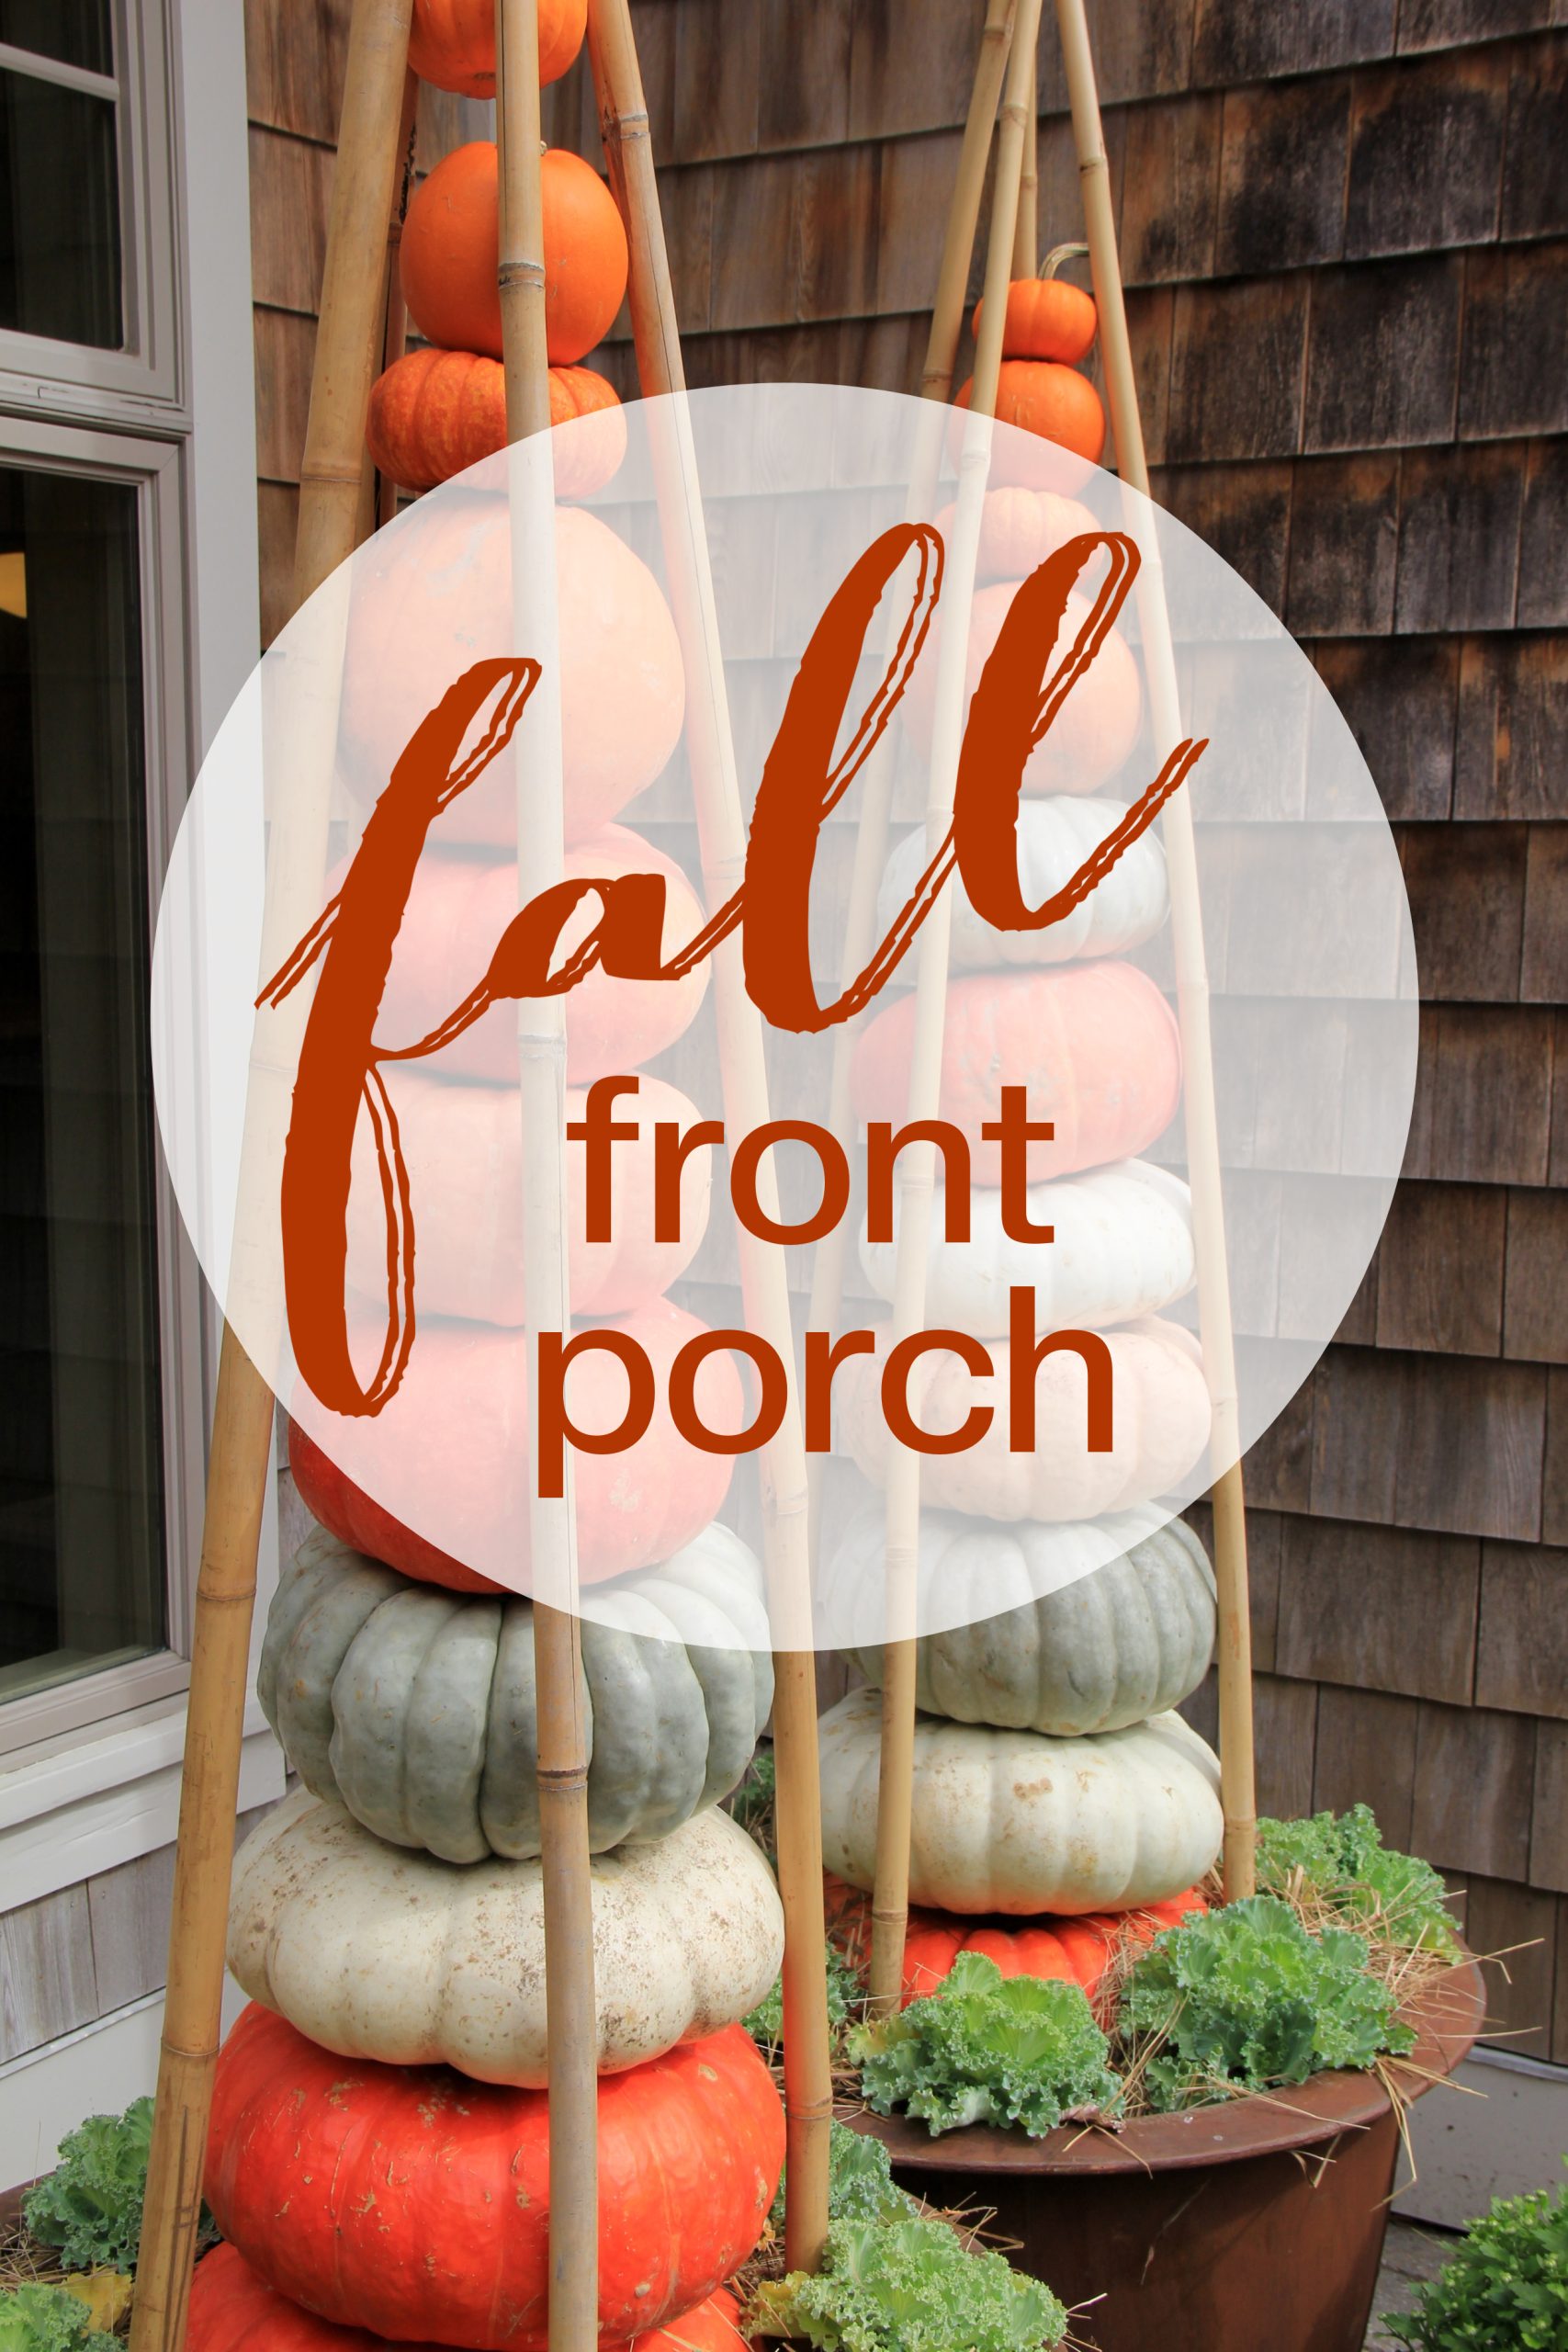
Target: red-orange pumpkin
pixel 1053 403
pixel 1097 726
pixel 1019 529
pixel 1047 317
pixel 458 1428
pixel 462 1147
pixel 235 2310
pixel 411 2199
pixel 438 598
pixel 457 912
pixel 434 412
pixel 451 248
pixel 452 42
pixel 1074 1951
pixel 1095 1045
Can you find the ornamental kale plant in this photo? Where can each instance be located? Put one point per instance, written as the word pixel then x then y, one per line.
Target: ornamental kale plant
pixel 44 2319
pixel 988 2049
pixel 861 2186
pixel 1506 2287
pixel 909 2286
pixel 90 2206
pixel 765 2022
pixel 1246 1997
pixel 1342 1859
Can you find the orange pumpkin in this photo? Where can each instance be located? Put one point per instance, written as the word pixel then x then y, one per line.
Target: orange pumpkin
pixel 457 1429
pixel 457 912
pixel 434 594
pixel 1047 317
pixel 1056 404
pixel 434 414
pixel 412 2198
pixel 451 246
pixel 452 42
pixel 232 2309
pixel 463 1148
pixel 1019 529
pixel 1095 1045
pixel 1097 726
pixel 1074 1951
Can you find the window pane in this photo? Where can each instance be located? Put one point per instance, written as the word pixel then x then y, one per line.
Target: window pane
pixel 59 268
pixel 76 31
pixel 81 1516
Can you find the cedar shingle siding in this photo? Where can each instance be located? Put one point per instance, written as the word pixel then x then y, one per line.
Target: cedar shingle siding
pixel 1370 197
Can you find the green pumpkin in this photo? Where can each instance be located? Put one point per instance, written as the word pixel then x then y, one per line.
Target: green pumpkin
pixel 1128 1640
pixel 413 1707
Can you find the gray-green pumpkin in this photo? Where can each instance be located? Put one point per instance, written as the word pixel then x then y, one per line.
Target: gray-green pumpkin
pixel 1094 1652
pixel 413 1707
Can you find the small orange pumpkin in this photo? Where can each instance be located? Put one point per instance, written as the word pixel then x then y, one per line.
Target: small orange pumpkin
pixel 450 253
pixel 1041 396
pixel 1019 529
pixel 1047 317
pixel 434 414
pixel 452 42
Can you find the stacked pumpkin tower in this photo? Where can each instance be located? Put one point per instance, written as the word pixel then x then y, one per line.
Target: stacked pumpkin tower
pixel 378 2157
pixel 1061 1807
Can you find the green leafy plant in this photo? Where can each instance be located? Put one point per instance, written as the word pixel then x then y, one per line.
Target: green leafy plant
pixel 1505 2288
pixel 988 2049
pixel 765 2022
pixel 89 2207
pixel 861 2186
pixel 44 2319
pixel 1342 1860
pixel 1246 1997
pixel 751 1805
pixel 909 2285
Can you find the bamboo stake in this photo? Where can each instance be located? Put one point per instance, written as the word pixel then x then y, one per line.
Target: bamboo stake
pixel 890 1900
pixel 1237 1776
pixel 1026 239
pixel 808 2089
pixel 562 1764
pixel 395 337
pixel 239 1460
pixel 876 786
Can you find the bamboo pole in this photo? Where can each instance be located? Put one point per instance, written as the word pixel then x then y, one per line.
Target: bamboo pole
pixel 1237 1775
pixel 239 1460
pixel 562 1763
pixel 808 2089
pixel 890 1900
pixel 395 334
pixel 876 786
pixel 1026 238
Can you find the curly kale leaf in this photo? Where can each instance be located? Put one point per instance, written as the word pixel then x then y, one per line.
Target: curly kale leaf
pixel 909 2287
pixel 765 2022
pixel 988 2049
pixel 1344 1860
pixel 1505 2287
pixel 1245 1996
pixel 861 2186
pixel 90 2206
pixel 44 2319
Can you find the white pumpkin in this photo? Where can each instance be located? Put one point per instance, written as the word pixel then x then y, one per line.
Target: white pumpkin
pixel 1051 1629
pixel 377 1952
pixel 1161 1417
pixel 1123 1249
pixel 1017 1822
pixel 1056 835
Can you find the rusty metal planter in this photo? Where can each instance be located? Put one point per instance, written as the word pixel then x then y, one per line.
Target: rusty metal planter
pixel 1256 2226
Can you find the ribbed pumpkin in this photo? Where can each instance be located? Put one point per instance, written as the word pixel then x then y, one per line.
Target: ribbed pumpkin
pixel 379 1953
pixel 1027 1649
pixel 1073 1951
pixel 1047 317
pixel 449 255
pixel 1013 1822
pixel 1123 1247
pixel 452 42
pixel 432 595
pixel 1019 529
pixel 1088 741
pixel 1096 1047
pixel 463 1148
pixel 458 909
pixel 411 2199
pixel 415 1708
pixel 1055 839
pixel 1053 403
pixel 456 1429
pixel 232 2309
pixel 1161 1418
pixel 432 414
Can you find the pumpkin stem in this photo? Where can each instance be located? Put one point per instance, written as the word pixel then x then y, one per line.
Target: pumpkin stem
pixel 1058 254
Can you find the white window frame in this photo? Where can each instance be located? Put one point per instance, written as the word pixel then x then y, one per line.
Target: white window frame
pixel 87 1768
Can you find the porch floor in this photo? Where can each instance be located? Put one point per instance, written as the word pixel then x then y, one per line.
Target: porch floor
pixel 1414 2251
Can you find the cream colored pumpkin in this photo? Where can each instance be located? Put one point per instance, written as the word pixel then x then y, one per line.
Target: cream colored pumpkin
pixel 1056 837
pixel 377 1952
pixel 1016 1822
pixel 1160 1418
pixel 1123 1249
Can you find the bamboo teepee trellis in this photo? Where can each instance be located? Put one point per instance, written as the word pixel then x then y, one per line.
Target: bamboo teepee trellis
pixel 359 332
